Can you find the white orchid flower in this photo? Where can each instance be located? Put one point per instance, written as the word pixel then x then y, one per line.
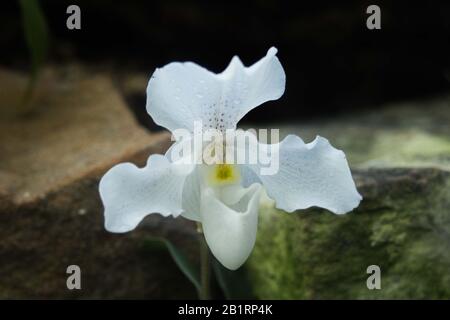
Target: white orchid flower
pixel 224 198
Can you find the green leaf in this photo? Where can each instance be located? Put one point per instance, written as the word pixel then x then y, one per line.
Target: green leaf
pixel 180 259
pixel 36 36
pixel 234 284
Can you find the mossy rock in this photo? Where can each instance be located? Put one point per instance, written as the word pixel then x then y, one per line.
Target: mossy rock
pixel 402 225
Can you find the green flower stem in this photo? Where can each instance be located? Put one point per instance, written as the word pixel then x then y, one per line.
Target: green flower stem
pixel 205 266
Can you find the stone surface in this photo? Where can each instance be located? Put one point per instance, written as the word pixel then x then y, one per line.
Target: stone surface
pixel 400 159
pixel 80 127
pixel 50 212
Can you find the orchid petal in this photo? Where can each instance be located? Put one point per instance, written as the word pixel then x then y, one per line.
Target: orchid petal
pixel 245 88
pixel 130 193
pixel 191 196
pixel 179 94
pixel 313 174
pixel 230 228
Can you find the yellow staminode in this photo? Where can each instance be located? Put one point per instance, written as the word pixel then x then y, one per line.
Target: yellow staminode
pixel 221 174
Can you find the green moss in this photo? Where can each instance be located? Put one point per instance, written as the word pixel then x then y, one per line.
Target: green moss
pixel 403 226
pixel 400 158
pixel 410 148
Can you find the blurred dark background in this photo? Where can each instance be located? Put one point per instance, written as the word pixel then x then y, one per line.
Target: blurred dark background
pixel 334 64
